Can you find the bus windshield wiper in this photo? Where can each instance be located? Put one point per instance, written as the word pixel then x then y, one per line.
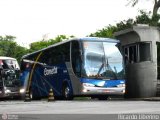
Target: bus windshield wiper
pixel 100 69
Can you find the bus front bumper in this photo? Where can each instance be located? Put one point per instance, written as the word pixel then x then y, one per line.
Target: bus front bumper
pixel 11 94
pixel 103 91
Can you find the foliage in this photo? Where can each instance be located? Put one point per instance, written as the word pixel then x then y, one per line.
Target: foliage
pixel 155 6
pixel 9 48
pixel 143 18
pixel 111 29
pixel 125 24
pixel 105 32
pixel 133 2
pixel 42 44
pixel 20 51
pixel 146 18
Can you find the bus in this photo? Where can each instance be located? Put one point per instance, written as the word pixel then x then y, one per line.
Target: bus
pixel 9 77
pixel 89 66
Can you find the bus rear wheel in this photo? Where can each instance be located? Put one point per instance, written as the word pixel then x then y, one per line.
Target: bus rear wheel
pixel 66 91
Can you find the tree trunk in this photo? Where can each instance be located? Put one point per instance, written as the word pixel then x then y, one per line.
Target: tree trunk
pixel 155 10
pixel 156 7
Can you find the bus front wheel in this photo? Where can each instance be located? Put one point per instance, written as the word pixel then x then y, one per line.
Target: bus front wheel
pixel 66 91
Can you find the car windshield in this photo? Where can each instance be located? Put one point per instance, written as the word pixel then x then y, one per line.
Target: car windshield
pixel 102 60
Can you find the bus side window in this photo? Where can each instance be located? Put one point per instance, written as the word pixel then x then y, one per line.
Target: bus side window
pixel 76 60
pixel 65 53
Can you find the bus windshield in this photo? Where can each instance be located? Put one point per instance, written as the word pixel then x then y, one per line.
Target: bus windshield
pixel 9 64
pixel 9 69
pixel 102 60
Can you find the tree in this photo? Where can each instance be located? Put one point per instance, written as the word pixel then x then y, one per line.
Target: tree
pixel 143 18
pixel 7 45
pixel 45 43
pixel 155 7
pixel 9 48
pixel 111 29
pixel 20 51
pixel 105 32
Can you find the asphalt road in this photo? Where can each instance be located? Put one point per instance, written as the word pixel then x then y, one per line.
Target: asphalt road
pixel 79 108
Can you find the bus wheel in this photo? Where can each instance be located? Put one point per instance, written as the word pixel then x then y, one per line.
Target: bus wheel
pixel 66 91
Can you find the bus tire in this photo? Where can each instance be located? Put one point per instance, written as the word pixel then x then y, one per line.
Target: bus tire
pixel 66 91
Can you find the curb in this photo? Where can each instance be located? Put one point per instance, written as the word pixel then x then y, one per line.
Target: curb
pixel 152 99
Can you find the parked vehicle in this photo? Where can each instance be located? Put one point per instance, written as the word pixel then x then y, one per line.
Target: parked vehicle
pixel 9 77
pixel 78 67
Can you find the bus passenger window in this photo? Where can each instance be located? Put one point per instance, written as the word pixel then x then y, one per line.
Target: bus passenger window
pixel 76 60
pixel 65 52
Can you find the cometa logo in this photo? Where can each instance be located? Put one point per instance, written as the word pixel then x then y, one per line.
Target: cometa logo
pixel 50 71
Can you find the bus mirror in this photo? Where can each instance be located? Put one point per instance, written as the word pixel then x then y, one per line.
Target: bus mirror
pixel 118 45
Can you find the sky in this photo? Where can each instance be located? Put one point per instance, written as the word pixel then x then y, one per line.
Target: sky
pixel 30 20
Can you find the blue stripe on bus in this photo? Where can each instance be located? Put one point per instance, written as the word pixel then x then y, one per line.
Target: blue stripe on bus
pixel 107 83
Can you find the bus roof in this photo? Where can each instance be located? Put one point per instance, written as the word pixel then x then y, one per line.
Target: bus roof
pixel 6 58
pixel 97 39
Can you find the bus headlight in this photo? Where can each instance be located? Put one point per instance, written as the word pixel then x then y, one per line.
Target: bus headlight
pixel 84 90
pixel 22 90
pixel 123 91
pixel 7 91
pixel 88 85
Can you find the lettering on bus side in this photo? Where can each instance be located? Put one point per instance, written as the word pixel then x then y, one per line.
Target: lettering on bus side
pixel 50 71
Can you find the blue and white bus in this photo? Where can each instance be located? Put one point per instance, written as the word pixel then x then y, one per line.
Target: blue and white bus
pixel 87 66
